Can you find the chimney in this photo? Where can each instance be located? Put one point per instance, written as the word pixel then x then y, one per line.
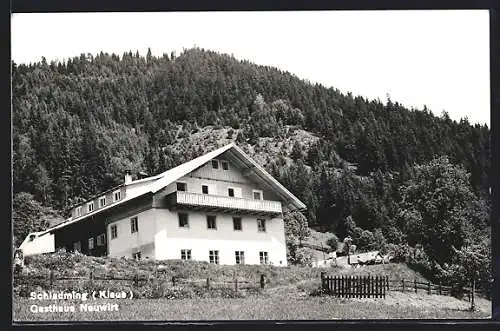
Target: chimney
pixel 128 177
pixel 141 175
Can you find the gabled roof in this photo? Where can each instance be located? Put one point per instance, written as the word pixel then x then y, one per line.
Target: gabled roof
pixel 156 183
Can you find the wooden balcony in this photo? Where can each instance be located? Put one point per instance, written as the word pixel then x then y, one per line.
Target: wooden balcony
pixel 223 204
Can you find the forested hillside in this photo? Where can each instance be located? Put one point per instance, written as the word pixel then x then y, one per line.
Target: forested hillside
pixel 363 167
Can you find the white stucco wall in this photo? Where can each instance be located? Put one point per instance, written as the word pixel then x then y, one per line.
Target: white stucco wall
pixel 161 238
pixel 127 243
pixel 170 239
pixel 42 244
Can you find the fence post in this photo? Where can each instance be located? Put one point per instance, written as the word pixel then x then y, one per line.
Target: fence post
pixel 51 277
pixel 357 287
pixel 91 276
pixel 380 286
pixel 415 281
pixel 429 287
pixel 366 287
pixel 354 286
pixel 323 281
pixel 363 286
pixel 403 285
pixel 349 286
pixel 385 288
pixel 352 283
pixel 369 286
pixel 236 284
pixel 440 288
pixel 173 281
pixel 262 281
pixel 208 282
pixel 358 283
pixel 136 280
pixel 343 282
pixel 473 306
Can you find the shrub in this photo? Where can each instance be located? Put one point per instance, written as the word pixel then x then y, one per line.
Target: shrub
pixel 319 292
pixel 333 242
pixel 302 257
pixel 399 253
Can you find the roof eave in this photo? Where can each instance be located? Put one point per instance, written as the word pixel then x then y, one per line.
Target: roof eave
pixel 98 211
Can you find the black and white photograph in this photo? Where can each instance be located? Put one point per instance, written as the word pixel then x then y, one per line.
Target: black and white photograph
pixel 251 166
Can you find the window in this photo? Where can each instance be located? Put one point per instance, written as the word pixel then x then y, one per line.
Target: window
pixel 181 186
pixel 137 256
pixel 101 239
pixel 264 258
pixel 215 164
pixel 261 225
pixel 134 225
pixel 183 220
pixel 225 165
pixel 240 257
pixel 211 222
pixel 77 246
pixel 90 206
pixel 114 231
pixel 237 223
pixel 185 254
pixel 230 192
pixel 213 256
pixel 257 194
pixel 102 202
pixel 117 195
pixel 204 189
pixel 91 243
pixel 78 211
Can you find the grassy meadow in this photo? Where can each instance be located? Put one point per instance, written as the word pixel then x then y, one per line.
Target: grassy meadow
pixel 280 303
pixel 286 296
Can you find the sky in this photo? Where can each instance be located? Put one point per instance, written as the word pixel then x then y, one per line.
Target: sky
pixel 435 58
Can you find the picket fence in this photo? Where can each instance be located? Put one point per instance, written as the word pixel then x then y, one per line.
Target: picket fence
pixel 355 286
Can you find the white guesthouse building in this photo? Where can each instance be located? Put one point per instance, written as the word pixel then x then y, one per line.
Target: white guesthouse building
pixel 221 207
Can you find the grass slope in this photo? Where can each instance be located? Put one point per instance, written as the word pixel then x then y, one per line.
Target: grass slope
pixel 285 297
pixel 282 303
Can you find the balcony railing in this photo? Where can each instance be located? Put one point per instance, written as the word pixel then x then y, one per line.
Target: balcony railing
pixel 223 203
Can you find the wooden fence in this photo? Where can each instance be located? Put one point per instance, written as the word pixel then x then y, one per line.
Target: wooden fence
pixel 137 280
pixel 355 286
pixel 407 285
pixel 376 287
